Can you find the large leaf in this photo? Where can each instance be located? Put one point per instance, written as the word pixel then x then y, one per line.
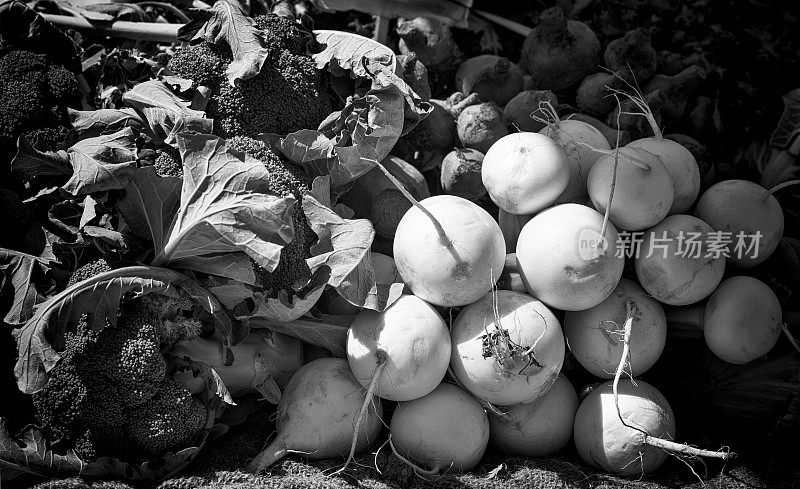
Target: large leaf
pixel 41 338
pixel 102 163
pixel 19 274
pixel 349 142
pixel 227 22
pixel 31 455
pixel 328 331
pixel 150 205
pixel 93 123
pixel 165 113
pixel 226 207
pixel 31 164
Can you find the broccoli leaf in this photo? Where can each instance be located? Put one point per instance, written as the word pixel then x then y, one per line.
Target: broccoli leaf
pixel 150 204
pixel 102 163
pixel 40 339
pixel 327 331
pixel 19 274
pixel 166 114
pixel 93 123
pixel 348 143
pixel 30 455
pixel 227 22
pixel 31 164
pixel 226 207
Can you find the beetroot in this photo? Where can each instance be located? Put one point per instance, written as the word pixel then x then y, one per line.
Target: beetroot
pixel 520 109
pixel 493 78
pixel 480 126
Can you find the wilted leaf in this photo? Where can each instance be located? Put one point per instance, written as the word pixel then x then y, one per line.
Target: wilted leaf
pixel 227 22
pixel 102 163
pixel 226 207
pixel 19 274
pixel 345 53
pixel 93 123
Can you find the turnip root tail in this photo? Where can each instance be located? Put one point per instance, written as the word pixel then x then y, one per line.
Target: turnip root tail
pixel 637 98
pixel 381 357
pixel 672 447
pixel 550 119
pixel 446 241
pixel 274 452
pixel 781 186
pixel 417 469
pixel 790 337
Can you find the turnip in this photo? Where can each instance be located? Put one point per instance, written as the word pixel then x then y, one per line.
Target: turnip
pixel 595 336
pixel 749 213
pixel 559 53
pixel 611 135
pixel 525 172
pixel 675 264
pixel 580 141
pixel 520 109
pixel 540 428
pixel 629 433
pixel 678 160
pixel 567 257
pixel 507 348
pixel 742 320
pixel 316 415
pixel 447 430
pixel 480 126
pixel 643 193
pixel 493 78
pixel 404 350
pixel 448 250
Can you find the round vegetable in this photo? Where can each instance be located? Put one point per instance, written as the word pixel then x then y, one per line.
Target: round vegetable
pixel 595 336
pixel 316 414
pixel 745 210
pixel 525 172
pixel 493 78
pixel 643 190
pixel 742 320
pixel 480 126
pixel 451 255
pixel 563 259
pixel 461 174
pixel 537 429
pixel 388 208
pixel 507 348
pixel 605 442
pixel 579 140
pixel 411 338
pixel 674 265
pixel 445 430
pixel 520 109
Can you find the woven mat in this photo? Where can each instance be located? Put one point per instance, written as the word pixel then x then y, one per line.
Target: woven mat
pixel 221 465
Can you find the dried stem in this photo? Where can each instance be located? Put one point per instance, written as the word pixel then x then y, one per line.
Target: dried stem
pixel 781 186
pixel 417 469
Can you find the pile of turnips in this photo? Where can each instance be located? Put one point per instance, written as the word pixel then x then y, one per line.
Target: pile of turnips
pixel 602 233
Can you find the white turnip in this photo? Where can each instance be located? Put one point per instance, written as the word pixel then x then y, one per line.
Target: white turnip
pixel 643 192
pixel 742 320
pixel 507 348
pixel 751 216
pixel 525 172
pixel 448 250
pixel 447 430
pixel 316 415
pixel 567 260
pixel 675 264
pixel 537 429
pixel 595 336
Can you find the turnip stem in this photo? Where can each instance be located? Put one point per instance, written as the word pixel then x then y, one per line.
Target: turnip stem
pixel 381 356
pixel 630 308
pixel 274 452
pixel 417 469
pixel 781 186
pixel 629 158
pixel 683 449
pixel 639 100
pixel 790 337
pixel 436 224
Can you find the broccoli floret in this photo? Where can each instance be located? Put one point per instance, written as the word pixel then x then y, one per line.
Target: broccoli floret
pixel 287 95
pixel 111 394
pixel 168 420
pixel 34 93
pixel 168 162
pixel 286 178
pixel 88 271
pixel 51 138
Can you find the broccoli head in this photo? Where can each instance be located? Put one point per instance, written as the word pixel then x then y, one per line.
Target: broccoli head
pixel 34 95
pixel 112 393
pixel 89 270
pixel 286 179
pixel 287 95
pixel 168 162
